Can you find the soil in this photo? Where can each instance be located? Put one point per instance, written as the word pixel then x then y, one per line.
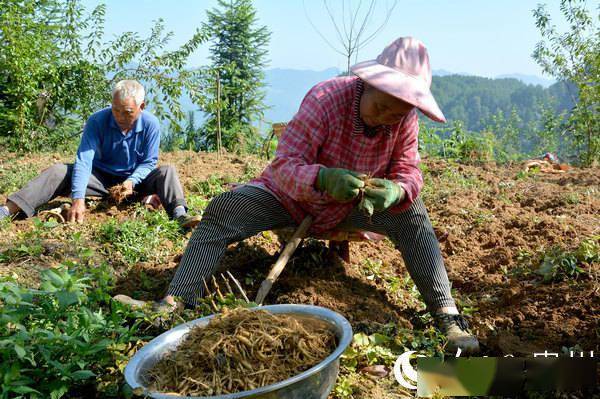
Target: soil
pixel 490 221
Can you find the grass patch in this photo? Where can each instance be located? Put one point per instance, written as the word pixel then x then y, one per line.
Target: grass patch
pixel 29 243
pixel 14 176
pixel 149 236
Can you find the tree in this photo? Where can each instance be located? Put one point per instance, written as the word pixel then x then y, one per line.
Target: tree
pixel 55 70
pixel 574 56
pixel 238 55
pixel 354 26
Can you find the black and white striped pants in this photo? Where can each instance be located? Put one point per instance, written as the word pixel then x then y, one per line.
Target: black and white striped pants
pixel 236 215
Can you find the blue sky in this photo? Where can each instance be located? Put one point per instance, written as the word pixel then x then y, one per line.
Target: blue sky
pixel 480 37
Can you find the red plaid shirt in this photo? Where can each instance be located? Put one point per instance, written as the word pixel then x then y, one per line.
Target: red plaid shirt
pixel 328 132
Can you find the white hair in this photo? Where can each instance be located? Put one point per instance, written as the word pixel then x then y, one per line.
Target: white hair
pixel 129 89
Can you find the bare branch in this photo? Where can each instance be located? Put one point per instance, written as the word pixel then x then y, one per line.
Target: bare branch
pixel 332 18
pixel 372 36
pixel 319 32
pixel 353 27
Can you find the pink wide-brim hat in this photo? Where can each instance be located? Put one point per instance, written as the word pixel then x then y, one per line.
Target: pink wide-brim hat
pixel 403 71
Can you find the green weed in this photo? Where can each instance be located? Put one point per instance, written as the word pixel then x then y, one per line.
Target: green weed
pixel 14 176
pixel 559 264
pixel 209 187
pixel 372 269
pixel 29 243
pixel 343 388
pixel 571 198
pixel 251 170
pixel 531 172
pixel 367 350
pixel 148 237
pixel 63 337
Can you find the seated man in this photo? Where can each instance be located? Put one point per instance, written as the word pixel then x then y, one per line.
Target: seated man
pixel 119 146
pixel 346 127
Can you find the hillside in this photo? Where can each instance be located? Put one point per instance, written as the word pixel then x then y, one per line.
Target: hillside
pixel 496 226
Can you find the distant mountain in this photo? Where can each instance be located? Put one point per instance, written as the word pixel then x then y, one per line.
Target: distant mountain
pixel 529 79
pixel 474 99
pixel 443 72
pixel 287 87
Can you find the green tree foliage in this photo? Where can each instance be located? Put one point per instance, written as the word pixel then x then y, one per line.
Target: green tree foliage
pixel 55 70
pixel 524 120
pixel 238 54
pixel 475 100
pixel 574 56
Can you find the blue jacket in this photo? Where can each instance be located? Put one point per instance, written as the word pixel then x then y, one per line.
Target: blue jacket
pixel 103 146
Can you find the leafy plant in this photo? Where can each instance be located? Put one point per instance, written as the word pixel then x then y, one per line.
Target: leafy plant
pixel 62 337
pixel 367 350
pixel 558 264
pixel 343 388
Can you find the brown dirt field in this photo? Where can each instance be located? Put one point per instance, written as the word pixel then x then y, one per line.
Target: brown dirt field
pixel 490 222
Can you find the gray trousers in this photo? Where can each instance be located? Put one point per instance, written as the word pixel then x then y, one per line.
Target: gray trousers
pixel 56 181
pixel 242 213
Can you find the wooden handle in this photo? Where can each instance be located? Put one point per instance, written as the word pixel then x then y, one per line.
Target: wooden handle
pixel 287 252
pixel 289 249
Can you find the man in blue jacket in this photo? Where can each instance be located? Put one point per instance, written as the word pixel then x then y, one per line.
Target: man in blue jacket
pixel 119 146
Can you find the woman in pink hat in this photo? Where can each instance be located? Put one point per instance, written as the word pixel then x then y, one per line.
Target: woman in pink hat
pixel 345 127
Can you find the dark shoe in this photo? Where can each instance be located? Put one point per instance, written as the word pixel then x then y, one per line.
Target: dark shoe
pixel 188 222
pixel 456 328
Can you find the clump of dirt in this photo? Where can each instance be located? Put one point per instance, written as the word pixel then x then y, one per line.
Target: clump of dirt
pixel 240 350
pixel 494 224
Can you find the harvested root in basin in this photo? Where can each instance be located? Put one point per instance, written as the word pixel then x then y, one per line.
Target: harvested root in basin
pixel 241 350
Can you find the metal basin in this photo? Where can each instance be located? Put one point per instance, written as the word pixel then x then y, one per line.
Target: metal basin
pixel 314 383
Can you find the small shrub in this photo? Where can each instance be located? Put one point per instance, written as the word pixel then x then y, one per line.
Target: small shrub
pixel 63 337
pixel 559 264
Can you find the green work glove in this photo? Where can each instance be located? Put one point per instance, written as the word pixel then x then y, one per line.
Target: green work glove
pixel 341 184
pixel 383 193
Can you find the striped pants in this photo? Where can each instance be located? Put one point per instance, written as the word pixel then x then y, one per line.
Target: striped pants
pixel 236 215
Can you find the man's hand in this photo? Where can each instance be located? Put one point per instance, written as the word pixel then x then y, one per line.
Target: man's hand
pixel 383 193
pixel 77 211
pixel 128 188
pixel 341 184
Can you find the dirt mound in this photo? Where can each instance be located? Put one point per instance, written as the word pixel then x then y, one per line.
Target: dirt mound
pixel 494 224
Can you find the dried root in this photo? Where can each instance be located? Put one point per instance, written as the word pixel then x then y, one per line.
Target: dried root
pixel 118 193
pixel 365 204
pixel 242 349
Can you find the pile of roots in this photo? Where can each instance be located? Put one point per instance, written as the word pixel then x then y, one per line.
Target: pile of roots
pixel 118 193
pixel 241 350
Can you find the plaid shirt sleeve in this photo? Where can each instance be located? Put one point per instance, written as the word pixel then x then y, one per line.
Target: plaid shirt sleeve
pixel 403 167
pixel 295 166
